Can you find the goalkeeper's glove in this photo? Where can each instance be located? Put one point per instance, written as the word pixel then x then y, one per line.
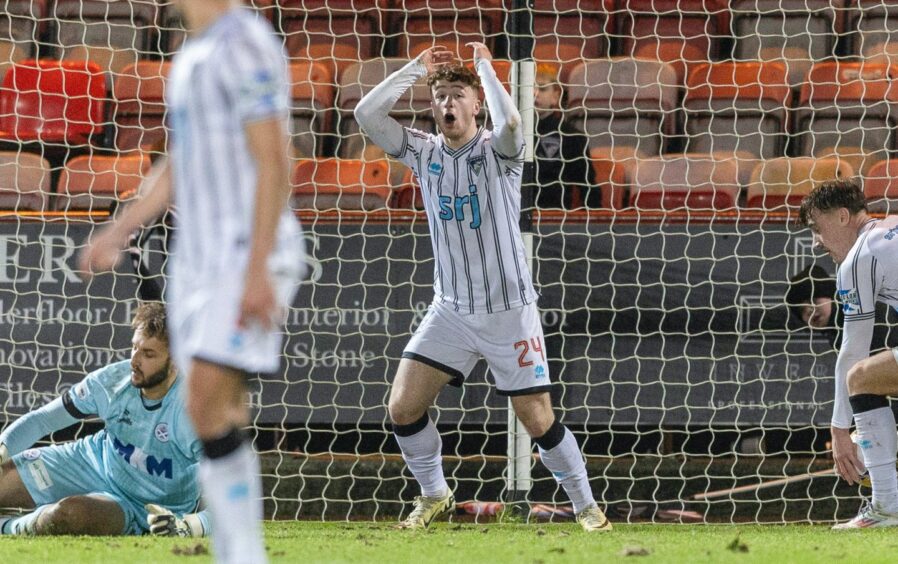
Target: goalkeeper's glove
pixel 164 523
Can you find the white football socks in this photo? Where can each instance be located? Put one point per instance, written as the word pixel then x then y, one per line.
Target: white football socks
pixel 565 462
pixel 23 525
pixel 422 452
pixel 878 440
pixel 232 490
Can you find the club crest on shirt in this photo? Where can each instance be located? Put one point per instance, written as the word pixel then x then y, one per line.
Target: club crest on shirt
pixel 161 432
pixel 435 168
pixel 476 164
pixel 31 454
pixel 890 234
pixel 851 302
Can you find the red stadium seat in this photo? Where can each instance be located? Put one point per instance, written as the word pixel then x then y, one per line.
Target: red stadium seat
pixel 332 25
pixel 52 101
pixel 611 180
pixel 694 182
pixel 408 194
pixel 346 184
pixel 683 57
pixel 784 182
pixel 624 102
pixel 139 94
pixel 334 56
pixel 881 187
pixel 848 104
pixel 737 107
pixel 24 181
pixel 313 101
pixel 564 26
pixel 701 23
pixel 95 182
pixel 419 24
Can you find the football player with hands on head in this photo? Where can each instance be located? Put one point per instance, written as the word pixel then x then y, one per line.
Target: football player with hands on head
pixel 866 250
pixel 144 461
pixel 484 303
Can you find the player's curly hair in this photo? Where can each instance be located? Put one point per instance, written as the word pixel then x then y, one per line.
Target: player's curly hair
pixel 454 73
pixel 150 318
pixel 832 195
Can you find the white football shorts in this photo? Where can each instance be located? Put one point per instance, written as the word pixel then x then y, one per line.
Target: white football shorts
pixel 203 315
pixel 511 342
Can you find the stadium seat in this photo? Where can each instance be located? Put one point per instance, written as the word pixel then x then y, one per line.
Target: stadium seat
pixel 313 100
pixel 873 22
pixel 881 186
pixel 346 184
pixel 139 93
pixel 24 181
pixel 794 32
pixel 407 195
pixel 52 102
pixel 566 30
pixel 695 182
pixel 783 182
pixel 682 57
pixel 336 29
pixel 861 161
pixel 334 56
pixel 701 23
pixel 418 24
pixel 882 53
pixel 19 27
pixel 412 109
pixel 112 34
pixel 611 184
pixel 624 102
pixel 847 104
pixel 737 107
pixel 95 183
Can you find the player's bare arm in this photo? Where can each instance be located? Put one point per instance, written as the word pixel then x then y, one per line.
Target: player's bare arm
pixel 271 154
pixel 105 249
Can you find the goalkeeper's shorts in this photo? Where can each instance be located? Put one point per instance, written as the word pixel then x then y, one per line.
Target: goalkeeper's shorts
pixel 203 316
pixel 75 468
pixel 510 341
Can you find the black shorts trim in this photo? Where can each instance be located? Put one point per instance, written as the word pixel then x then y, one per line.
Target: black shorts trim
pixel 526 391
pixel 457 377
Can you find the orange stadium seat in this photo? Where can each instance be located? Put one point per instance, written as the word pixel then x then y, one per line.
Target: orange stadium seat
pixel 783 182
pixel 313 101
pixel 24 181
pixel 702 23
pixel 112 34
pixel 737 107
pixel 95 183
pixel 881 186
pixel 848 104
pixel 52 101
pixel 336 29
pixel 571 29
pixel 418 24
pixel 681 56
pixel 139 93
pixel 624 102
pixel 19 27
pixel 611 184
pixel 346 184
pixel 335 56
pixel 408 194
pixel 412 109
pixel 794 32
pixel 695 182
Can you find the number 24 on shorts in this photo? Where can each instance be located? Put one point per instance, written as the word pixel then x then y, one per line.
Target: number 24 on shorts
pixel 535 344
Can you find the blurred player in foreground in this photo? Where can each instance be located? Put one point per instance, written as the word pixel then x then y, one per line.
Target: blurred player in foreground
pixel 866 250
pixel 146 458
pixel 237 257
pixel 485 303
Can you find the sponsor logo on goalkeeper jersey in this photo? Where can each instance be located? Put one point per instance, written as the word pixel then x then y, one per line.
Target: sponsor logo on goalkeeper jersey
pixel 851 302
pixel 161 432
pixel 143 462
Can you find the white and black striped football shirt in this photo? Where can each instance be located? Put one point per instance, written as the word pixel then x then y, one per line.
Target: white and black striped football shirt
pixel 472 198
pixel 234 73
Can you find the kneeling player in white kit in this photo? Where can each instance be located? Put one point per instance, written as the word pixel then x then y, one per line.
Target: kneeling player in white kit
pixel 485 303
pixel 146 458
pixel 866 250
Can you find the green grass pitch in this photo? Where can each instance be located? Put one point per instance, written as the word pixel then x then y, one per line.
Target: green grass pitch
pixel 309 542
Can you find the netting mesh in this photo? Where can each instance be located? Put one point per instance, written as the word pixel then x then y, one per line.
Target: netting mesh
pixel 674 140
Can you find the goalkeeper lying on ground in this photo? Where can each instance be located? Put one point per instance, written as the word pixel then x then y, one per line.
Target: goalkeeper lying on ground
pixel 135 476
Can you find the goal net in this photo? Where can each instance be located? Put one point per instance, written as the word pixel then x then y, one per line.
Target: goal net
pixel 673 140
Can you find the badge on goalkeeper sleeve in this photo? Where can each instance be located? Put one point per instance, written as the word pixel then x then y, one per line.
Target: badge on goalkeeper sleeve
pixel 164 523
